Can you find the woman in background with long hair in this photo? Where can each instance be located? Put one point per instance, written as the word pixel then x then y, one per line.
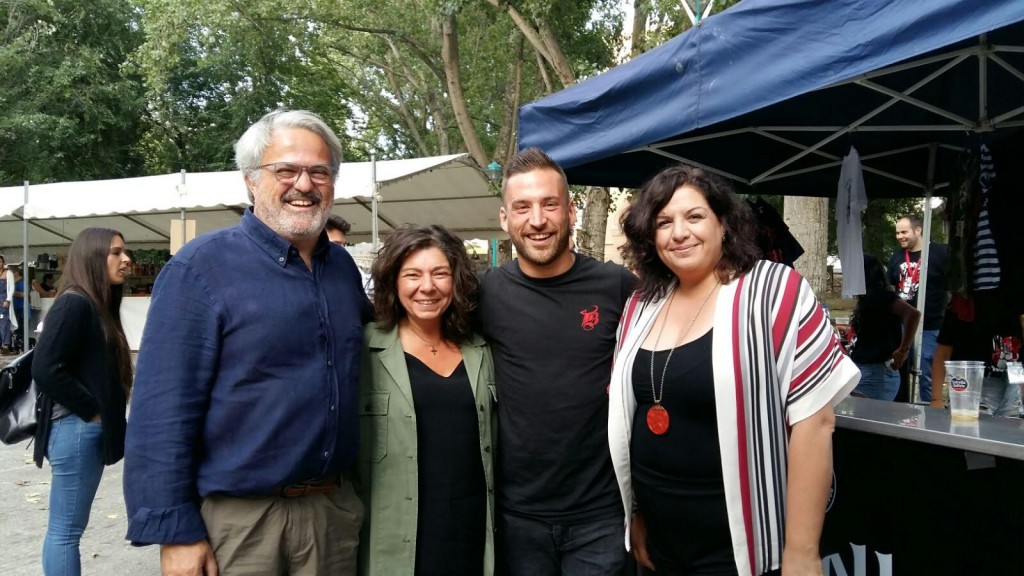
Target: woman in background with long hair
pixel 883 326
pixel 82 365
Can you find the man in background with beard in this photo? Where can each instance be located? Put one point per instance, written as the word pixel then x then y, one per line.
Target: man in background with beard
pixel 550 317
pixel 243 420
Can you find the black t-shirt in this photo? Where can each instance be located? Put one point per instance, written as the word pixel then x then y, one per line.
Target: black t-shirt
pixel 553 341
pixel 878 331
pixel 903 278
pixel 988 337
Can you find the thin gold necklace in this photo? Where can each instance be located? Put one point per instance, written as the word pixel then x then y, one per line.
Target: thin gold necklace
pixel 433 347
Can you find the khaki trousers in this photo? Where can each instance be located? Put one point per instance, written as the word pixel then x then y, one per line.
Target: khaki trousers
pixel 314 535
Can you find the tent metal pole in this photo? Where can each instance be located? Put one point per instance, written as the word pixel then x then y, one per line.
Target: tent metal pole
pixel 983 122
pixel 26 284
pixel 373 202
pixel 183 226
pixel 922 289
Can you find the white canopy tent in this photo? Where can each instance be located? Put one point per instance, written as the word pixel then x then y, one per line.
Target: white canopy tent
pixel 448 190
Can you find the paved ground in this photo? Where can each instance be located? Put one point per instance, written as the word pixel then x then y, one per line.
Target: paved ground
pixel 24 507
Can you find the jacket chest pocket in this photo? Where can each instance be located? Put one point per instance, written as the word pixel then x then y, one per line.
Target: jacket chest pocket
pixel 373 425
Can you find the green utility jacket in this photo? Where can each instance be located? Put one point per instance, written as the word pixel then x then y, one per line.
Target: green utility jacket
pixel 388 474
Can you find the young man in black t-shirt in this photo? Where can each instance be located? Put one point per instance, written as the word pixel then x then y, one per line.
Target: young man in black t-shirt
pixel 550 318
pixel 904 273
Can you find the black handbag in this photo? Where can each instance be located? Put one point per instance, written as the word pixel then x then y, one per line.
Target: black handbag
pixel 19 401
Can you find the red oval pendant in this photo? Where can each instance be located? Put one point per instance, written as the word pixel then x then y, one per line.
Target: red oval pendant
pixel 657 419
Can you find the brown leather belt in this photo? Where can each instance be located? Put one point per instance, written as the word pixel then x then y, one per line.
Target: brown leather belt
pixel 308 487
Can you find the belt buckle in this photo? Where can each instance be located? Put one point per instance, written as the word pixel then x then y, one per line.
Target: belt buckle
pixel 307 487
pixel 295 490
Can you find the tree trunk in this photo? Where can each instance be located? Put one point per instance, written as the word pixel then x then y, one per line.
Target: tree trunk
pixel 504 144
pixel 410 121
pixel 641 10
pixel 591 234
pixel 453 79
pixel 807 219
pixel 543 40
pixel 440 125
pixel 558 60
pixel 504 251
pixel 542 68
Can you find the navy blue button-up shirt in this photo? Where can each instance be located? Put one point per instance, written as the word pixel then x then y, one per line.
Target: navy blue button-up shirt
pixel 246 378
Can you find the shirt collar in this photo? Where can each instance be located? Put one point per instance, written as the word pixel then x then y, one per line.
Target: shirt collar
pixel 274 244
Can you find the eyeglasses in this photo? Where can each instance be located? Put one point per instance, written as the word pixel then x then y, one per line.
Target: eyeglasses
pixel 290 172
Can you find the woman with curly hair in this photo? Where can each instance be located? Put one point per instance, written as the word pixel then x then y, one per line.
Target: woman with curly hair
pixel 426 400
pixel 721 395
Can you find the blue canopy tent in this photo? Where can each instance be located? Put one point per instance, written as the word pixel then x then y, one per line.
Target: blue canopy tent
pixel 772 94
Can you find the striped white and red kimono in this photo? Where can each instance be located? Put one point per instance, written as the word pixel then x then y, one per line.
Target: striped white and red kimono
pixel 776 362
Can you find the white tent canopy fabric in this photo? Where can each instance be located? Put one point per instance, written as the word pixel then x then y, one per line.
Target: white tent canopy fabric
pixel 448 190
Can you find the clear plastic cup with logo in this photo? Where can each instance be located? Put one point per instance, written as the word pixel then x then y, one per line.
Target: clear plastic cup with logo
pixel 964 381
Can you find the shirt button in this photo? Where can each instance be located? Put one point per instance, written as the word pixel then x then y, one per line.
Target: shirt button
pixel 332 408
pixel 281 259
pixel 326 454
pixel 329 363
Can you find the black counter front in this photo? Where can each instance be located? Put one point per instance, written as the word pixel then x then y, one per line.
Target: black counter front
pixel 916 493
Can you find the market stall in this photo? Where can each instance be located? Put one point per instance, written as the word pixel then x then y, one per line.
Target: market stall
pixel 373 196
pixel 915 492
pixel 772 95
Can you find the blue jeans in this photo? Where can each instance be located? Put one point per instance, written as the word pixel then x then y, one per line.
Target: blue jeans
pixel 75 452
pixel 929 341
pixel 531 547
pixel 5 329
pixel 878 381
pixel 999 397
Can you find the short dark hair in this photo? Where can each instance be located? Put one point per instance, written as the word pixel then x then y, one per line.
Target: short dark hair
pixel 739 249
pixel 915 220
pixel 335 222
pixel 527 161
pixel 399 245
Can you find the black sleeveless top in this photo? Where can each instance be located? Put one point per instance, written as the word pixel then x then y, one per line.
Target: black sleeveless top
pixel 677 476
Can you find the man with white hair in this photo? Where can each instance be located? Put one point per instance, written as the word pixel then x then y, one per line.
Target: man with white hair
pixel 244 422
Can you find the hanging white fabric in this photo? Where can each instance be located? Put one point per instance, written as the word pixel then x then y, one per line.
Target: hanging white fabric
pixel 850 202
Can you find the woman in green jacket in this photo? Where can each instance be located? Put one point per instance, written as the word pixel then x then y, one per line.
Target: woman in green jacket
pixel 426 396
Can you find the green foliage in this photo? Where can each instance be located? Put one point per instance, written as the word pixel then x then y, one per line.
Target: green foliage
pixel 67 109
pixel 879 225
pixel 212 68
pixel 668 19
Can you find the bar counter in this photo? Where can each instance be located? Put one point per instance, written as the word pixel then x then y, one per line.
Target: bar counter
pixel 915 493
pixel 988 435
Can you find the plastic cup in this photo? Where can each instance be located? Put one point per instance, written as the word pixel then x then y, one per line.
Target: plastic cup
pixel 1015 372
pixel 964 380
pixel 964 428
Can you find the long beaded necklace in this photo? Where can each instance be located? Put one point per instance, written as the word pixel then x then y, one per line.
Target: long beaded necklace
pixel 657 416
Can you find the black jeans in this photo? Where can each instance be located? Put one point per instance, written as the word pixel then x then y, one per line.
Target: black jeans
pixel 531 547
